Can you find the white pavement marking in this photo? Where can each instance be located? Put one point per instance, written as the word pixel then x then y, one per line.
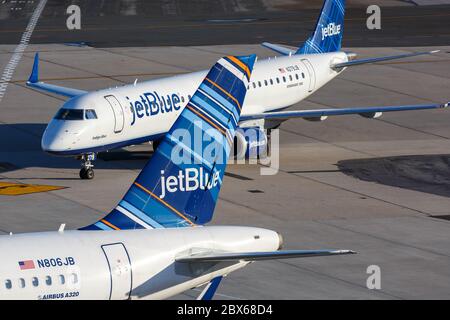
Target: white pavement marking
pixel 18 52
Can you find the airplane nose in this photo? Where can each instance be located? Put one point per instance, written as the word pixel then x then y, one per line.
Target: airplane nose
pixel 48 141
pixel 53 140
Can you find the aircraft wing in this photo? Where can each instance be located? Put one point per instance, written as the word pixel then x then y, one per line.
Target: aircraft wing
pixel 279 49
pixel 33 81
pixel 321 114
pixel 287 51
pixel 379 59
pixel 254 256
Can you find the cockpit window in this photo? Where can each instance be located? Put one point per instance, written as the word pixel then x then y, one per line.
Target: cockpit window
pixel 90 114
pixel 76 114
pixel 70 114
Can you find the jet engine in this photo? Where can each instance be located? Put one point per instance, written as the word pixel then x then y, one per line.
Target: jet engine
pixel 250 143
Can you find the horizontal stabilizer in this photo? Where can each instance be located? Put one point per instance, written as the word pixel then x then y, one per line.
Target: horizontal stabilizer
pixel 33 81
pixel 379 59
pixel 279 49
pixel 318 113
pixel 254 256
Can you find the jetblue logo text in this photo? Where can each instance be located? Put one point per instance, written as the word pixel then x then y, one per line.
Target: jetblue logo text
pixel 151 103
pixel 189 179
pixel 331 30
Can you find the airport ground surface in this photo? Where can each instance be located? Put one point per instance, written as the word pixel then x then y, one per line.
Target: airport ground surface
pixel 379 187
pixel 139 23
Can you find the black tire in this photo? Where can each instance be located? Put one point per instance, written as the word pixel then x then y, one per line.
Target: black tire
pixel 86 174
pixel 89 174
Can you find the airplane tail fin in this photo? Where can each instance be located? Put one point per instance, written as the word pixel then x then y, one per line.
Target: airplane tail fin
pixel 327 36
pixel 179 186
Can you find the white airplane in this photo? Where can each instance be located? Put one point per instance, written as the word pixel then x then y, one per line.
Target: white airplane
pixel 154 244
pixel 91 122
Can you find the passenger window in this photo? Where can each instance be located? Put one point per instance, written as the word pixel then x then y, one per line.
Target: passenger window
pixel 259 84
pixel 290 77
pixel 22 282
pixel 265 83
pixel 254 85
pixel 296 76
pixel 8 284
pixel 284 79
pixel 271 82
pixel 74 278
pixel 35 282
pixel 90 114
pixel 62 280
pixel 189 96
pixel 48 280
pixel 182 98
pixel 278 80
pixel 303 75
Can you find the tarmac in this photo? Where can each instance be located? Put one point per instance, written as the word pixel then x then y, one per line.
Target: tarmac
pixel 139 23
pixel 376 186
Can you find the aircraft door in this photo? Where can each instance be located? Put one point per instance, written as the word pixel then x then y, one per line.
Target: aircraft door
pixel 117 109
pixel 120 270
pixel 311 74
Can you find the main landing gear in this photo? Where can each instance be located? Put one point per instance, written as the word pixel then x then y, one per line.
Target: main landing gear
pixel 87 171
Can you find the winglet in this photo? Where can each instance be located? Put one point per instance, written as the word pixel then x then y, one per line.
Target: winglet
pixel 210 289
pixel 34 76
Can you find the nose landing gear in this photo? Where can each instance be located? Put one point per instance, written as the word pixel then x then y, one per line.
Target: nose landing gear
pixel 87 171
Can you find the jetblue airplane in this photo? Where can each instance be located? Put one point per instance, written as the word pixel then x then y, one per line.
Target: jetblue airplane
pixel 154 244
pixel 91 122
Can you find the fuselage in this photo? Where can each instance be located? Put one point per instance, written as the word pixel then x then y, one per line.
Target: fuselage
pixel 133 264
pixel 144 111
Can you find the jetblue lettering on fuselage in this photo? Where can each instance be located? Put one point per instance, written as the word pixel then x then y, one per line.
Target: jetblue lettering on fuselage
pixel 55 262
pixel 151 103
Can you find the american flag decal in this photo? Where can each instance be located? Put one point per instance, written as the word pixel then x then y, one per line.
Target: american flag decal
pixel 26 264
pixel 282 70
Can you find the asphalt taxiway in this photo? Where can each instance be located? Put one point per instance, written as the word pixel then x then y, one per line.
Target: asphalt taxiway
pixel 379 187
pixel 138 23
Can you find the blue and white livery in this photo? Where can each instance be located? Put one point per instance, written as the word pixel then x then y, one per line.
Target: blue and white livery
pixel 154 245
pixel 91 122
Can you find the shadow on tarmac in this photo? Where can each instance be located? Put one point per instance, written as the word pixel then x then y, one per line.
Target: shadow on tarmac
pixel 424 173
pixel 20 147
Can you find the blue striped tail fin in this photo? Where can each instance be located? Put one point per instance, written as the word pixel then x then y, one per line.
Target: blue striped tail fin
pixel 180 184
pixel 327 36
